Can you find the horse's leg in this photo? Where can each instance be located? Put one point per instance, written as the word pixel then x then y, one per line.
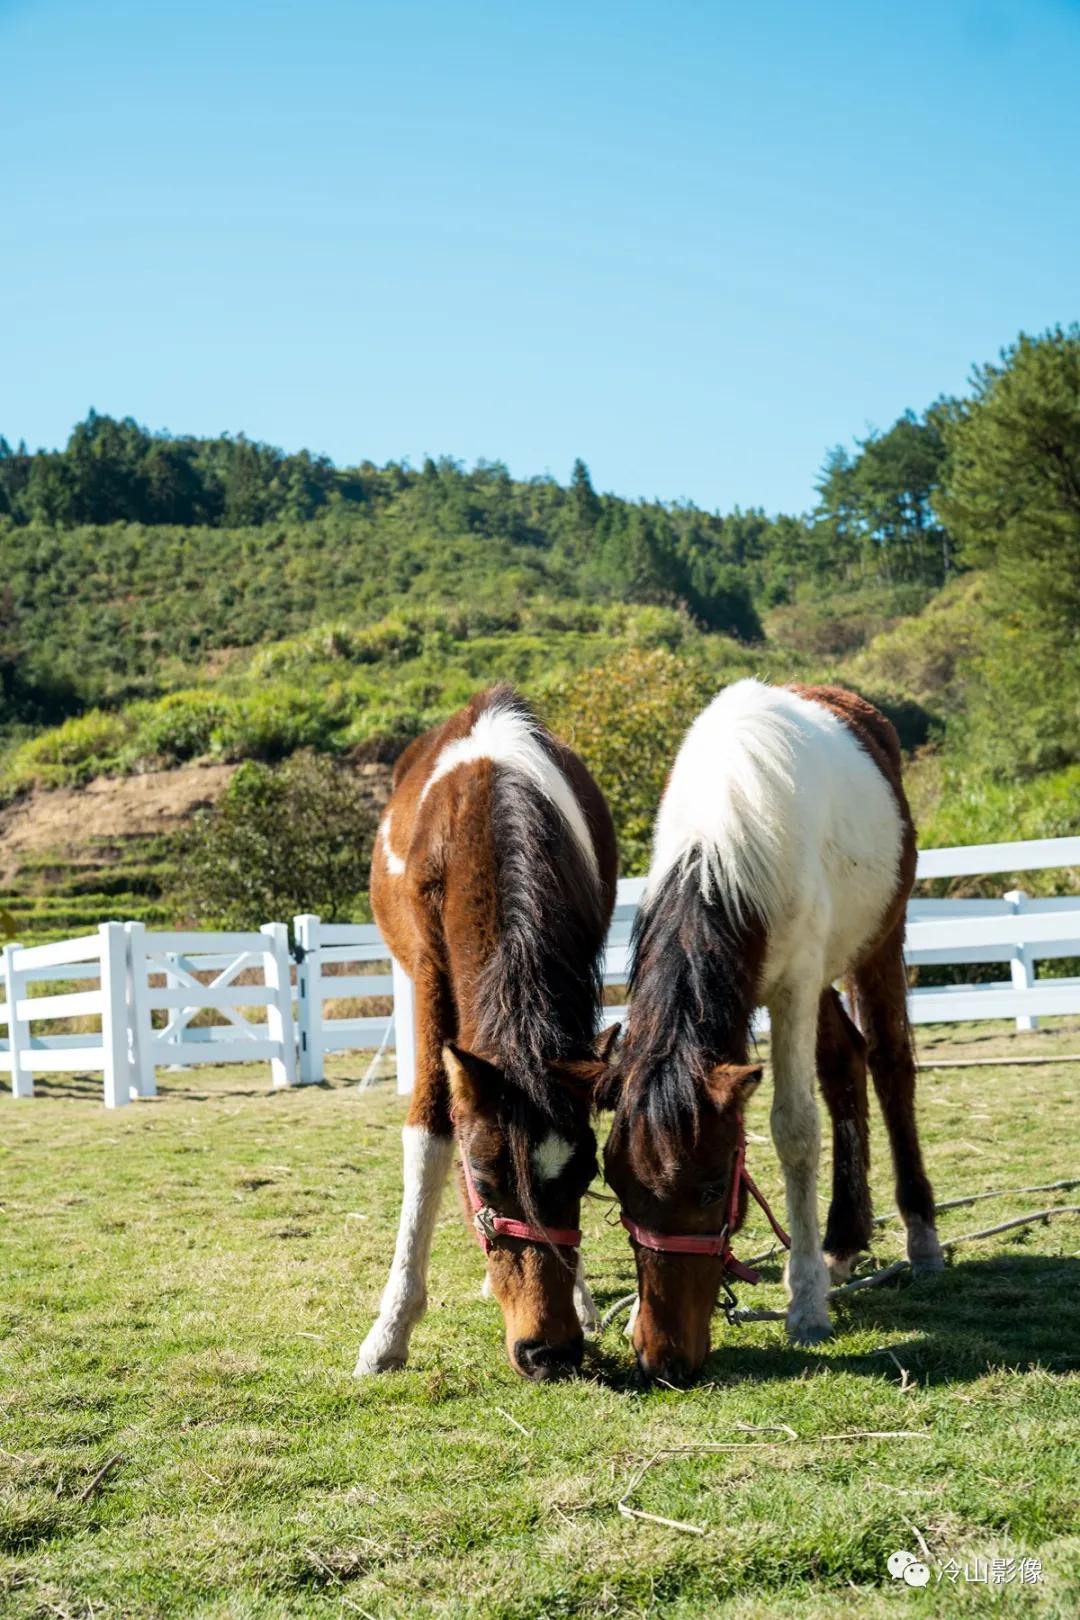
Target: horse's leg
pixel 841 1063
pixel 797 1133
pixel 428 1144
pixel 881 1001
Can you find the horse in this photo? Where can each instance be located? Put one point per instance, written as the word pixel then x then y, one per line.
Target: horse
pixel 783 856
pixel 493 881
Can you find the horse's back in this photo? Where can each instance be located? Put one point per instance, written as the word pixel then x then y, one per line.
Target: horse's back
pixel 787 793
pixel 436 844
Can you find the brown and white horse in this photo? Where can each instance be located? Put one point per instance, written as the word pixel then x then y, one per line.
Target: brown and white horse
pixel 493 880
pixel 783 857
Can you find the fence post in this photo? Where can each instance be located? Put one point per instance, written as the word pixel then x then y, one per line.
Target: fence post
pixel 279 1018
pixel 22 1074
pixel 142 1032
pixel 309 1018
pixel 173 1033
pixel 115 1060
pixel 1022 964
pixel 404 1029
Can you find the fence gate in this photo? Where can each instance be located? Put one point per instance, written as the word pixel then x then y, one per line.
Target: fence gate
pixel 179 964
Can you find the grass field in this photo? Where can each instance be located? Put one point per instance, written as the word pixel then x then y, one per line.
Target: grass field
pixel 183 1287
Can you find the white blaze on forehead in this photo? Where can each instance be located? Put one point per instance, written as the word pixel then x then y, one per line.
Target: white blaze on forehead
pixel 507 737
pixel 394 863
pixel 551 1156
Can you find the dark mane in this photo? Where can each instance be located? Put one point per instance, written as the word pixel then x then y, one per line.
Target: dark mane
pixel 693 988
pixel 539 991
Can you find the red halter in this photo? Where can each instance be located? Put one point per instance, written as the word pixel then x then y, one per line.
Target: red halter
pixel 488 1226
pixel 718 1243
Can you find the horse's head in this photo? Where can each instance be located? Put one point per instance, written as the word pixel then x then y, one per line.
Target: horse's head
pixel 525 1169
pixel 672 1161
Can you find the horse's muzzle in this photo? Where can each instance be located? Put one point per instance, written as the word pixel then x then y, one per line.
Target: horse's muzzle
pixel 541 1361
pixel 671 1370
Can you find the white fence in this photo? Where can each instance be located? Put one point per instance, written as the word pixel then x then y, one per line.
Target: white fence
pixel 100 960
pixel 133 973
pixel 1015 930
pixel 321 945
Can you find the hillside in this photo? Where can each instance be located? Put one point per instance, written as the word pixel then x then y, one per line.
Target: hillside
pixel 172 608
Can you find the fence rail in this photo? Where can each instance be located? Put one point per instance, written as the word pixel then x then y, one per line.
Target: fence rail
pixel 127 975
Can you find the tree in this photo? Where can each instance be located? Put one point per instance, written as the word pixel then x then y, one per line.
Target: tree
pixel 583 498
pixel 281 840
pixel 875 515
pixel 1012 504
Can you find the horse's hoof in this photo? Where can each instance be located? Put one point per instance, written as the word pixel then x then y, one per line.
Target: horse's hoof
pixel 379 1356
pixel 923 1249
pixel 807 1334
pixel 841 1266
pixel 367 1367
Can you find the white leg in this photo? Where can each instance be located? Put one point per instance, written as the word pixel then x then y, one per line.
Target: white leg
pixel 628 1330
pixel 584 1303
pixel 796 1131
pixel 486 1290
pixel 404 1300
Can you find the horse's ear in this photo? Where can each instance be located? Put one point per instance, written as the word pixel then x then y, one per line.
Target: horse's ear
pixel 474 1084
pixel 580 1077
pixel 733 1083
pixel 604 1043
pixel 585 1078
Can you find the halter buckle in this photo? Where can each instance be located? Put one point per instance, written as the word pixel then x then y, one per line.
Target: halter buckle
pixel 484 1222
pixel 730 1303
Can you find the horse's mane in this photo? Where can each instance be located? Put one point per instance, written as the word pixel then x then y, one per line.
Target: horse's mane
pixel 693 987
pixel 538 994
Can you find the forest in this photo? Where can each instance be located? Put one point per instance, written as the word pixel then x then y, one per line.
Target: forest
pixel 168 599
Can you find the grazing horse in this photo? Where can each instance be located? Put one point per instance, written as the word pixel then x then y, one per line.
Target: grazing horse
pixel 783 856
pixel 493 881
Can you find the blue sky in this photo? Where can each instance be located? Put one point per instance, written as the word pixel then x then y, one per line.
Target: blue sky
pixel 694 243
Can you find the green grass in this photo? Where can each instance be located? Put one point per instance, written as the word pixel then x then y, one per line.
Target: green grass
pixel 184 1286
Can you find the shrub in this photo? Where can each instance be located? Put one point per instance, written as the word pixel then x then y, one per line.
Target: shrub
pixel 929 657
pixel 272 722
pixel 279 841
pixel 85 746
pixel 626 719
pixel 178 727
pixel 838 624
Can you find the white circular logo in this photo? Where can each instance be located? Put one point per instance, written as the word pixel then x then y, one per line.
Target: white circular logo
pixel 916 1574
pixel 898 1562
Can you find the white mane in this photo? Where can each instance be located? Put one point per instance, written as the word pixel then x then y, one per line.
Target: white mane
pixel 766 788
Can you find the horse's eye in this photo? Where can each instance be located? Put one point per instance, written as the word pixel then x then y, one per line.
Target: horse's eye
pixel 711 1193
pixel 484 1183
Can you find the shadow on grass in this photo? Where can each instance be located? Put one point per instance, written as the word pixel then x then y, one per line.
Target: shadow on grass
pixel 79 1087
pixel 171 1088
pixel 1013 1311
pixel 90 1088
